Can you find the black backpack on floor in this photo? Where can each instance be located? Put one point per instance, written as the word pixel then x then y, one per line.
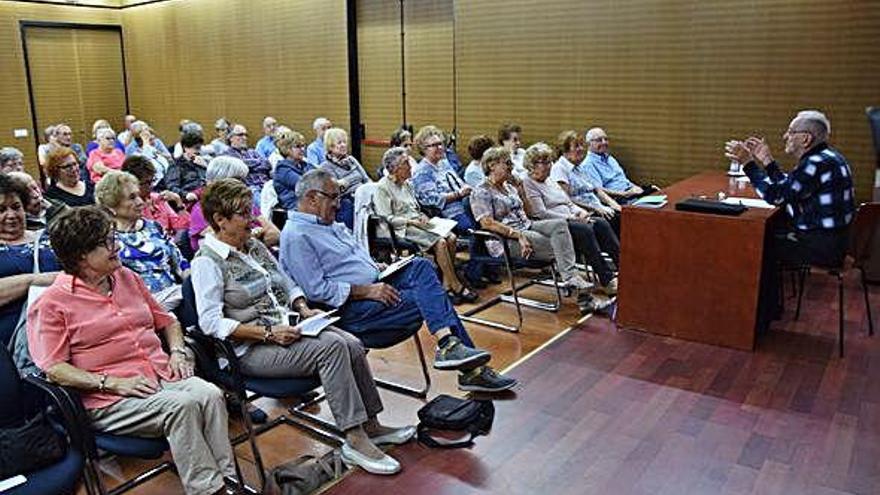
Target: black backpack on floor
pixel 445 412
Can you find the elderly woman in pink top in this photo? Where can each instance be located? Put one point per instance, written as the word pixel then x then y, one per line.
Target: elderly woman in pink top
pixel 96 329
pixel 106 156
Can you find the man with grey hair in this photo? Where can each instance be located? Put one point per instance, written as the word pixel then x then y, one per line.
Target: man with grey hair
pixel 266 144
pixel 333 269
pixel 11 160
pixel 817 194
pixel 315 151
pixel 64 137
pixel 605 171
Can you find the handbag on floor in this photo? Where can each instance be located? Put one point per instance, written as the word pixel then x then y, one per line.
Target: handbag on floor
pixel 444 412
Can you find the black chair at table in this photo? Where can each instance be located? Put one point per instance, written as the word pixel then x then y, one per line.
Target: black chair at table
pixel 864 227
pixel 208 350
pixel 511 295
pixel 35 396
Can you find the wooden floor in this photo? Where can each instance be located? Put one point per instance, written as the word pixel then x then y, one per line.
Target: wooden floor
pixel 609 411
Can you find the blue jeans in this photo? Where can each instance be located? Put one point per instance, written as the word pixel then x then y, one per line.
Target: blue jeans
pixel 422 298
pixel 345 214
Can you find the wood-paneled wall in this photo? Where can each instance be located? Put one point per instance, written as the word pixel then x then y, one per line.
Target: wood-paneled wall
pixel 670 80
pixel 202 59
pixel 15 112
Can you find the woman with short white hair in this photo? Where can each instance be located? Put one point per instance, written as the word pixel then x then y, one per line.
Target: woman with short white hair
pixel 347 171
pixel 223 167
pixel 395 201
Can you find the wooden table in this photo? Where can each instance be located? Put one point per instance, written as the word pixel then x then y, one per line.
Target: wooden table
pixel 694 276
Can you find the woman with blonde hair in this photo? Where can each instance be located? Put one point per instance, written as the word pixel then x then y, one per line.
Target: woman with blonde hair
pixel 347 171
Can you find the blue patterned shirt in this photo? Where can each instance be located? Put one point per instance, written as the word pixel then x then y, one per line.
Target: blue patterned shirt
pixel 817 194
pixel 432 183
pixel 152 256
pixel 605 171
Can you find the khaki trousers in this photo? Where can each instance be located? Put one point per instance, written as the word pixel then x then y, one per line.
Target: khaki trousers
pixel 337 357
pixel 191 414
pixel 550 240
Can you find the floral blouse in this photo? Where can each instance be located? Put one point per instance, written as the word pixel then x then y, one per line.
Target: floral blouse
pixel 153 256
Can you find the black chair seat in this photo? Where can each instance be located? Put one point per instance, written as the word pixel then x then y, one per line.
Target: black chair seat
pixel 387 338
pixel 60 477
pixel 131 446
pixel 279 388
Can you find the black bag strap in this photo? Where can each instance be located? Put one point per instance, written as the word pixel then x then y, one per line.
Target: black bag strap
pixel 425 438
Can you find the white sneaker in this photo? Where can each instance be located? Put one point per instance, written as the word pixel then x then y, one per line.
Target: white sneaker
pixel 577 282
pixel 611 287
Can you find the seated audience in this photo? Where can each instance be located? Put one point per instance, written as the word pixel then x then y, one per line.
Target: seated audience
pixel 64 138
pixel 591 234
pixel 604 170
pixel 11 160
pixel 106 156
pixel 441 191
pixel 498 207
pixel 190 127
pixel 258 167
pixel 243 295
pixel 187 173
pixel 333 269
pixel 93 144
pixel 401 138
pixel 266 144
pixel 96 329
pixel 147 145
pixel 65 181
pixel 292 146
pixel 478 145
pixel 569 172
pixel 126 135
pixel 157 206
pixel 17 245
pixel 39 211
pixel 817 193
pixel 143 246
pixel 395 201
pixel 220 144
pixel 315 152
pixel 347 171
pixel 49 141
pixel 509 138
pixel 223 167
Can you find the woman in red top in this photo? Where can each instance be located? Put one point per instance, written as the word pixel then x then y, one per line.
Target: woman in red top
pixel 106 156
pixel 96 329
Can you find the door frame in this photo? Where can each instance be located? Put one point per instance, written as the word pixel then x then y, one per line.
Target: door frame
pixel 24 25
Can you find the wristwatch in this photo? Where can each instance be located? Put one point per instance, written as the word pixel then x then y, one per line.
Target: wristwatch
pixel 102 384
pixel 267 333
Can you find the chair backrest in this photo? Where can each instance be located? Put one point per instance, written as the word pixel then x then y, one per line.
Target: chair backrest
pixel 865 237
pixel 11 400
pixel 363 208
pixel 873 114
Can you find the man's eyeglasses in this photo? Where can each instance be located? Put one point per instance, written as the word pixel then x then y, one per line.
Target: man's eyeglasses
pixel 239 134
pixel 331 197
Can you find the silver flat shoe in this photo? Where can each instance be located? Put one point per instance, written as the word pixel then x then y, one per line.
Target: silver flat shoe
pixel 397 437
pixel 386 465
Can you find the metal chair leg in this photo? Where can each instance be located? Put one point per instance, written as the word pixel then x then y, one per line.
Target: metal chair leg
pixel 252 439
pixel 867 303
pixel 419 393
pixel 840 313
pixel 799 289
